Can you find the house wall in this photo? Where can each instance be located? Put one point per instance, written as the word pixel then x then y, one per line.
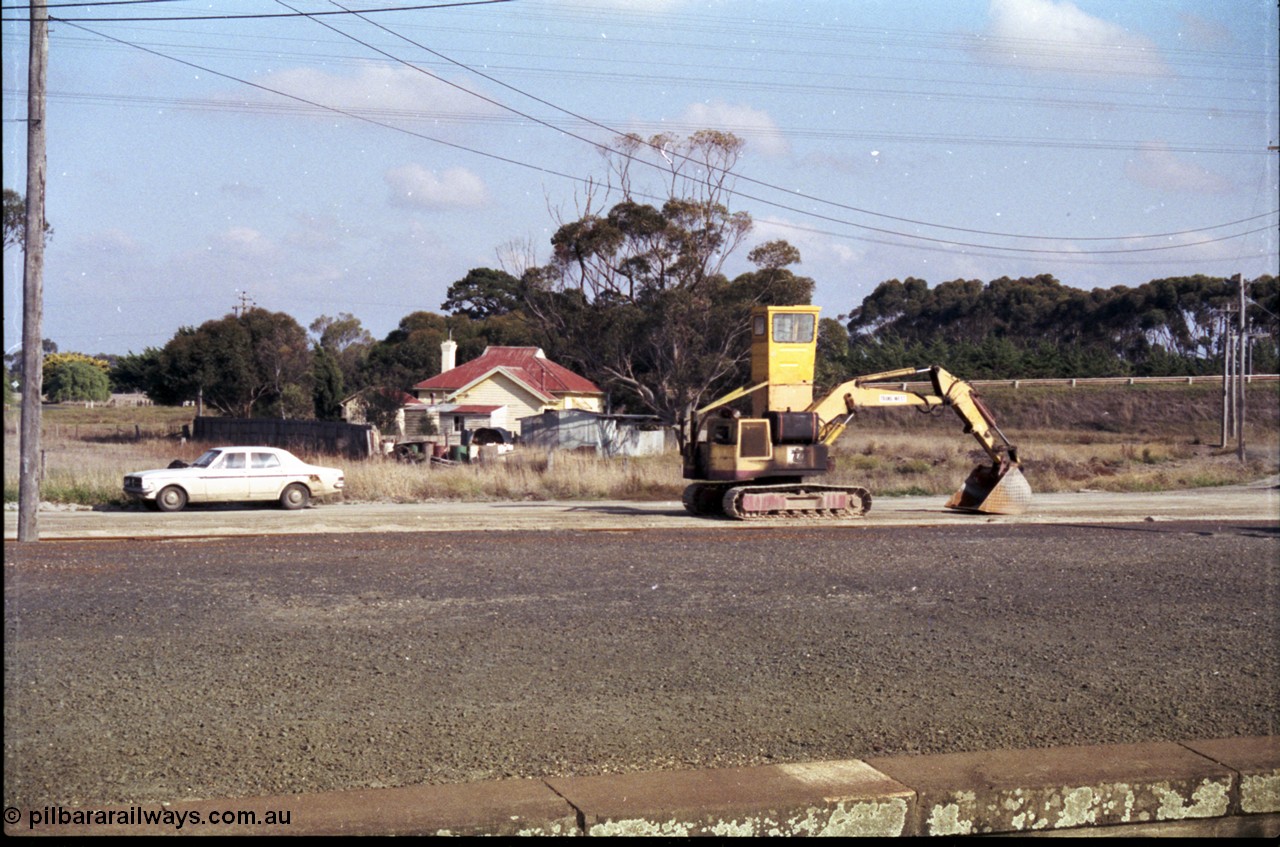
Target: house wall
pixel 412 419
pixel 502 391
pixel 585 402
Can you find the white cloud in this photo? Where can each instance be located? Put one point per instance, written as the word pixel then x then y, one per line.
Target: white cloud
pixel 625 5
pixel 1205 34
pixel 112 241
pixel 1158 167
pixel 1057 36
pixel 316 233
pixel 456 188
pixel 817 249
pixel 386 91
pixel 242 242
pixel 752 125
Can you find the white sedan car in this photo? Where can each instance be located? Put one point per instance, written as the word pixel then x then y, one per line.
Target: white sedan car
pixel 235 474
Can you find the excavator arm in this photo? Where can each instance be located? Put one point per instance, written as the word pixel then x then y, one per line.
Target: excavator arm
pixel 840 406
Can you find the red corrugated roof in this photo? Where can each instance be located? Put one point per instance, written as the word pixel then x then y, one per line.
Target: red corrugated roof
pixel 524 363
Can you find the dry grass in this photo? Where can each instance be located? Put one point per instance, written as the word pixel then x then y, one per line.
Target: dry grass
pixel 521 475
pixel 87 452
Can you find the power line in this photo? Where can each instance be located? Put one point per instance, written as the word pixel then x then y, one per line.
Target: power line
pixel 77 5
pixel 760 183
pixel 1034 97
pixel 213 105
pixel 266 16
pixel 775 204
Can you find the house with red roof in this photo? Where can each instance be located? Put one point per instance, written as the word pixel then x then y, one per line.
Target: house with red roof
pixel 498 388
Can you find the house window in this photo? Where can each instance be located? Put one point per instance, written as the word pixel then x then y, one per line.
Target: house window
pixel 457 423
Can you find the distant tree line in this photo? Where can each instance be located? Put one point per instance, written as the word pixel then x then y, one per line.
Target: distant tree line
pixel 665 348
pixel 636 299
pixel 1038 327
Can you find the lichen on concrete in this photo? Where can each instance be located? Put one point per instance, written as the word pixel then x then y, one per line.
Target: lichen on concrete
pixel 844 818
pixel 867 819
pixel 1260 793
pixel 553 829
pixel 946 819
pixel 639 827
pixel 1079 808
pixel 1209 800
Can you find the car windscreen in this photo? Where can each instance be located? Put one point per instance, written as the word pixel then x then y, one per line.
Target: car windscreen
pixel 209 457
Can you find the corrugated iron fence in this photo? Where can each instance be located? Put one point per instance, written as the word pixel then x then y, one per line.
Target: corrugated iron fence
pixel 331 437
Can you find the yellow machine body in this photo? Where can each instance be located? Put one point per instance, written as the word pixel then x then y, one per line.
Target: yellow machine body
pixel 752 467
pixel 784 348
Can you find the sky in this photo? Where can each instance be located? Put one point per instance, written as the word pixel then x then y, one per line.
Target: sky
pixel 204 155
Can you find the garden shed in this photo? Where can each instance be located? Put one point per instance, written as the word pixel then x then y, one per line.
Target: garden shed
pixel 608 435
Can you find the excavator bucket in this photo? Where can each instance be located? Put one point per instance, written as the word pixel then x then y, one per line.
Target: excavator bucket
pixel 997 491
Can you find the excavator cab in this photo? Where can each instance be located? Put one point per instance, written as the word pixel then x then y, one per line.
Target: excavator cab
pixel 780 440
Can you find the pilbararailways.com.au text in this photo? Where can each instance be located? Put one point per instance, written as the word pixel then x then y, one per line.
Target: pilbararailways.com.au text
pixel 139 816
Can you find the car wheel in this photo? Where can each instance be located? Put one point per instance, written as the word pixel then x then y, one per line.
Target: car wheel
pixel 295 496
pixel 171 499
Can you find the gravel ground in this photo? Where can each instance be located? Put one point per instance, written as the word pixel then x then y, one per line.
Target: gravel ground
pixel 161 670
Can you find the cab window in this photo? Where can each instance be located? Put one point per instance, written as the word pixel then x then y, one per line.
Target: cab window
pixel 234 461
pixel 793 329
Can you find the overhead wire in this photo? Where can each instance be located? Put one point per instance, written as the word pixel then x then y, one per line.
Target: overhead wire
pixel 76 5
pixel 734 78
pixel 749 180
pixel 261 16
pixel 591 122
pixel 214 105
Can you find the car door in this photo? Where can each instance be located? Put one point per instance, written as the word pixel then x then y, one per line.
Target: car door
pixel 266 476
pixel 227 478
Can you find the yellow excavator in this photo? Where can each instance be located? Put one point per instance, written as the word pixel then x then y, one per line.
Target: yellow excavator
pixel 754 467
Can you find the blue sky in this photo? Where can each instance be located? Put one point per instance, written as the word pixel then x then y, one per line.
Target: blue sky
pixel 1104 143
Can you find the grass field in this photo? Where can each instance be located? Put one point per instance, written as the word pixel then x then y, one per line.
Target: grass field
pixel 1117 438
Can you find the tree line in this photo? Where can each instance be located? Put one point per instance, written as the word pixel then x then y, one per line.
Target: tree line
pixel 671 348
pixel 1039 328
pixel 636 299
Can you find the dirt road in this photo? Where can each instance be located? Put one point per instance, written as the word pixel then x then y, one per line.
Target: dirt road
pixel 1253 502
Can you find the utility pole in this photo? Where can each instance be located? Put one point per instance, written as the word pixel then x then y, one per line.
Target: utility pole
pixel 33 282
pixel 1227 385
pixel 246 303
pixel 1241 371
pixel 1235 368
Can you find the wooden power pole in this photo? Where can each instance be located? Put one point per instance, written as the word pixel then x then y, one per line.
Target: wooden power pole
pixel 33 282
pixel 1241 368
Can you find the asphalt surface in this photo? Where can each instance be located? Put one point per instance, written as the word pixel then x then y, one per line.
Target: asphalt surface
pixel 154 670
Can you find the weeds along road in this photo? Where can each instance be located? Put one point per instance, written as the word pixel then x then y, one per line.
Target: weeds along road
pixel 152 670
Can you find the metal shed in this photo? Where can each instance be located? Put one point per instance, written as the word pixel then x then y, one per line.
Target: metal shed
pixel 609 435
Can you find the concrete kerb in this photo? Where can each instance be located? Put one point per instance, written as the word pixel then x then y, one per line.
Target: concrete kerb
pixel 1214 787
